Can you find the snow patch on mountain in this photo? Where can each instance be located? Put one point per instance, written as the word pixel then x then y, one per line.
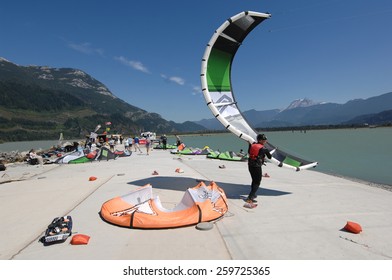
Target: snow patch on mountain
pixel 303 102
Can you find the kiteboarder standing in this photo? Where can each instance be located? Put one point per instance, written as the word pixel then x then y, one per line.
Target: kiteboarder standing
pixel 257 153
pixel 136 144
pixel 164 141
pixel 178 140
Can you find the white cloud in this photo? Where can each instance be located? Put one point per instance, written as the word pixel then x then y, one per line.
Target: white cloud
pixel 196 90
pixel 85 48
pixel 137 65
pixel 178 80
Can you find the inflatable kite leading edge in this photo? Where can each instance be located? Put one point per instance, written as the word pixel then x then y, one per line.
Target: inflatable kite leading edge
pixel 217 89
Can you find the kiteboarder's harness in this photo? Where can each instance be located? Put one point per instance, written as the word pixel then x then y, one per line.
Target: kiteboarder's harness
pixel 254 151
pixel 254 156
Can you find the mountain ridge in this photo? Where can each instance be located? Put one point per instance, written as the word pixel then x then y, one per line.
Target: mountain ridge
pixel 40 102
pixel 305 112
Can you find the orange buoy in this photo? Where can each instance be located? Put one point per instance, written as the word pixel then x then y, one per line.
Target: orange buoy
pixel 92 178
pixel 353 227
pixel 80 239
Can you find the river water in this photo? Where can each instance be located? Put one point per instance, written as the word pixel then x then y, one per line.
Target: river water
pixel 364 154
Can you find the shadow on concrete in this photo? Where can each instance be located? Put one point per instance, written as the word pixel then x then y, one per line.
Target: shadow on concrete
pixel 233 191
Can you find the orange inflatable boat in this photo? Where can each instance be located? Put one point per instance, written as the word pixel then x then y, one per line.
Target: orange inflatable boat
pixel 139 209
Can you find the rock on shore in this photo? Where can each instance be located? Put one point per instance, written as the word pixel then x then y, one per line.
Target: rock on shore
pixel 10 157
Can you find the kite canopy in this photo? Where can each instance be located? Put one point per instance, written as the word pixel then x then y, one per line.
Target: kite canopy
pixel 140 209
pixel 216 83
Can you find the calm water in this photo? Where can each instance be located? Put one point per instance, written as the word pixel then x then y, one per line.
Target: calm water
pixel 364 153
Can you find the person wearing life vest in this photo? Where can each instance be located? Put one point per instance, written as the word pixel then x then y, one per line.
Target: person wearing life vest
pixel 257 153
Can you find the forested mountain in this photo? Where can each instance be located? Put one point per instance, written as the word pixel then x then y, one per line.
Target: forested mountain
pixel 39 102
pixel 385 117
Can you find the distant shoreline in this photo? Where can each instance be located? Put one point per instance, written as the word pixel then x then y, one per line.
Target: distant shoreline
pixel 266 129
pixel 289 128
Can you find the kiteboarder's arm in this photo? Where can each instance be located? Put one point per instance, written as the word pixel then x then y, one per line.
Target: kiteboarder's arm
pixel 264 152
pixel 267 153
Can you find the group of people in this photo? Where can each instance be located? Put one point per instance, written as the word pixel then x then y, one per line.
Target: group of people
pixel 134 143
pixel 257 155
pixel 163 141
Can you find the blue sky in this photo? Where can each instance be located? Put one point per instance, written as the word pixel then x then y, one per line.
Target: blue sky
pixel 148 53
